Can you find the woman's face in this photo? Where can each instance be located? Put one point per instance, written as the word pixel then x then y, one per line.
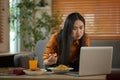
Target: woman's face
pixel 78 30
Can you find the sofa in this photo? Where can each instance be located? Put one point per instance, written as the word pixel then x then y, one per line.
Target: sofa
pixel 22 59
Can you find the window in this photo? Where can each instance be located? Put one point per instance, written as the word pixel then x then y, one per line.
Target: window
pixel 14 24
pixel 102 16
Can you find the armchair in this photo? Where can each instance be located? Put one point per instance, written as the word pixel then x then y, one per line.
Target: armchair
pixel 21 60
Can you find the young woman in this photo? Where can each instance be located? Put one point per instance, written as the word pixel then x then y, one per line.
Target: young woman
pixel 64 47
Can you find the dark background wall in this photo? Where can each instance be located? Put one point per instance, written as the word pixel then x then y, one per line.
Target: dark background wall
pixel 116 49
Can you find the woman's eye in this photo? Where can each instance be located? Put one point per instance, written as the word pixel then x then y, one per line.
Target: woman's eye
pixel 74 28
pixel 81 27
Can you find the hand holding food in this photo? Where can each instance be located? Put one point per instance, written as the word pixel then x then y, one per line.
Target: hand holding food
pixel 52 59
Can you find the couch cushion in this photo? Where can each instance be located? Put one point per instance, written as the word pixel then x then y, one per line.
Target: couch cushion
pixel 40 48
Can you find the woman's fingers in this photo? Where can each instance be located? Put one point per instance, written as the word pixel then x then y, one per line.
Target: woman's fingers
pixel 52 58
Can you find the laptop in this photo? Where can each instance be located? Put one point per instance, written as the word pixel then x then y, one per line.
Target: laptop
pixel 94 61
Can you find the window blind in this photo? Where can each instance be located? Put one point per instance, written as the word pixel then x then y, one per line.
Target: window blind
pixel 4 26
pixel 1 23
pixel 102 16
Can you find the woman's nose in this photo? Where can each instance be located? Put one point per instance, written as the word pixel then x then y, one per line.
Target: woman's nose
pixel 79 31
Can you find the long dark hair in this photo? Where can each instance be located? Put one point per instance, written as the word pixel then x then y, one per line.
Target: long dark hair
pixel 65 39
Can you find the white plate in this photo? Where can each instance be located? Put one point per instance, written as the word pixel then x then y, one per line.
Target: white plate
pixel 29 72
pixel 59 71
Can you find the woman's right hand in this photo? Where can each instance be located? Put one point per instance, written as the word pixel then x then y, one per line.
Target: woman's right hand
pixel 51 60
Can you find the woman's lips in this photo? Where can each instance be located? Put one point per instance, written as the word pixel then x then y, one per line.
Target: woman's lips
pixel 78 36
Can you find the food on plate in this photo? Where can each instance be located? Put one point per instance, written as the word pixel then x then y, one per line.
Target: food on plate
pixel 61 67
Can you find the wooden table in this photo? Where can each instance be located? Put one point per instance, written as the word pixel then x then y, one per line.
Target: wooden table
pixel 52 77
pixel 48 76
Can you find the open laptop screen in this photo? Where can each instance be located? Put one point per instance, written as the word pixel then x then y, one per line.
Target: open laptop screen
pixel 95 60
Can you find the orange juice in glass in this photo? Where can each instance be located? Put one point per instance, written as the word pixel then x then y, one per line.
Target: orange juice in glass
pixel 33 64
